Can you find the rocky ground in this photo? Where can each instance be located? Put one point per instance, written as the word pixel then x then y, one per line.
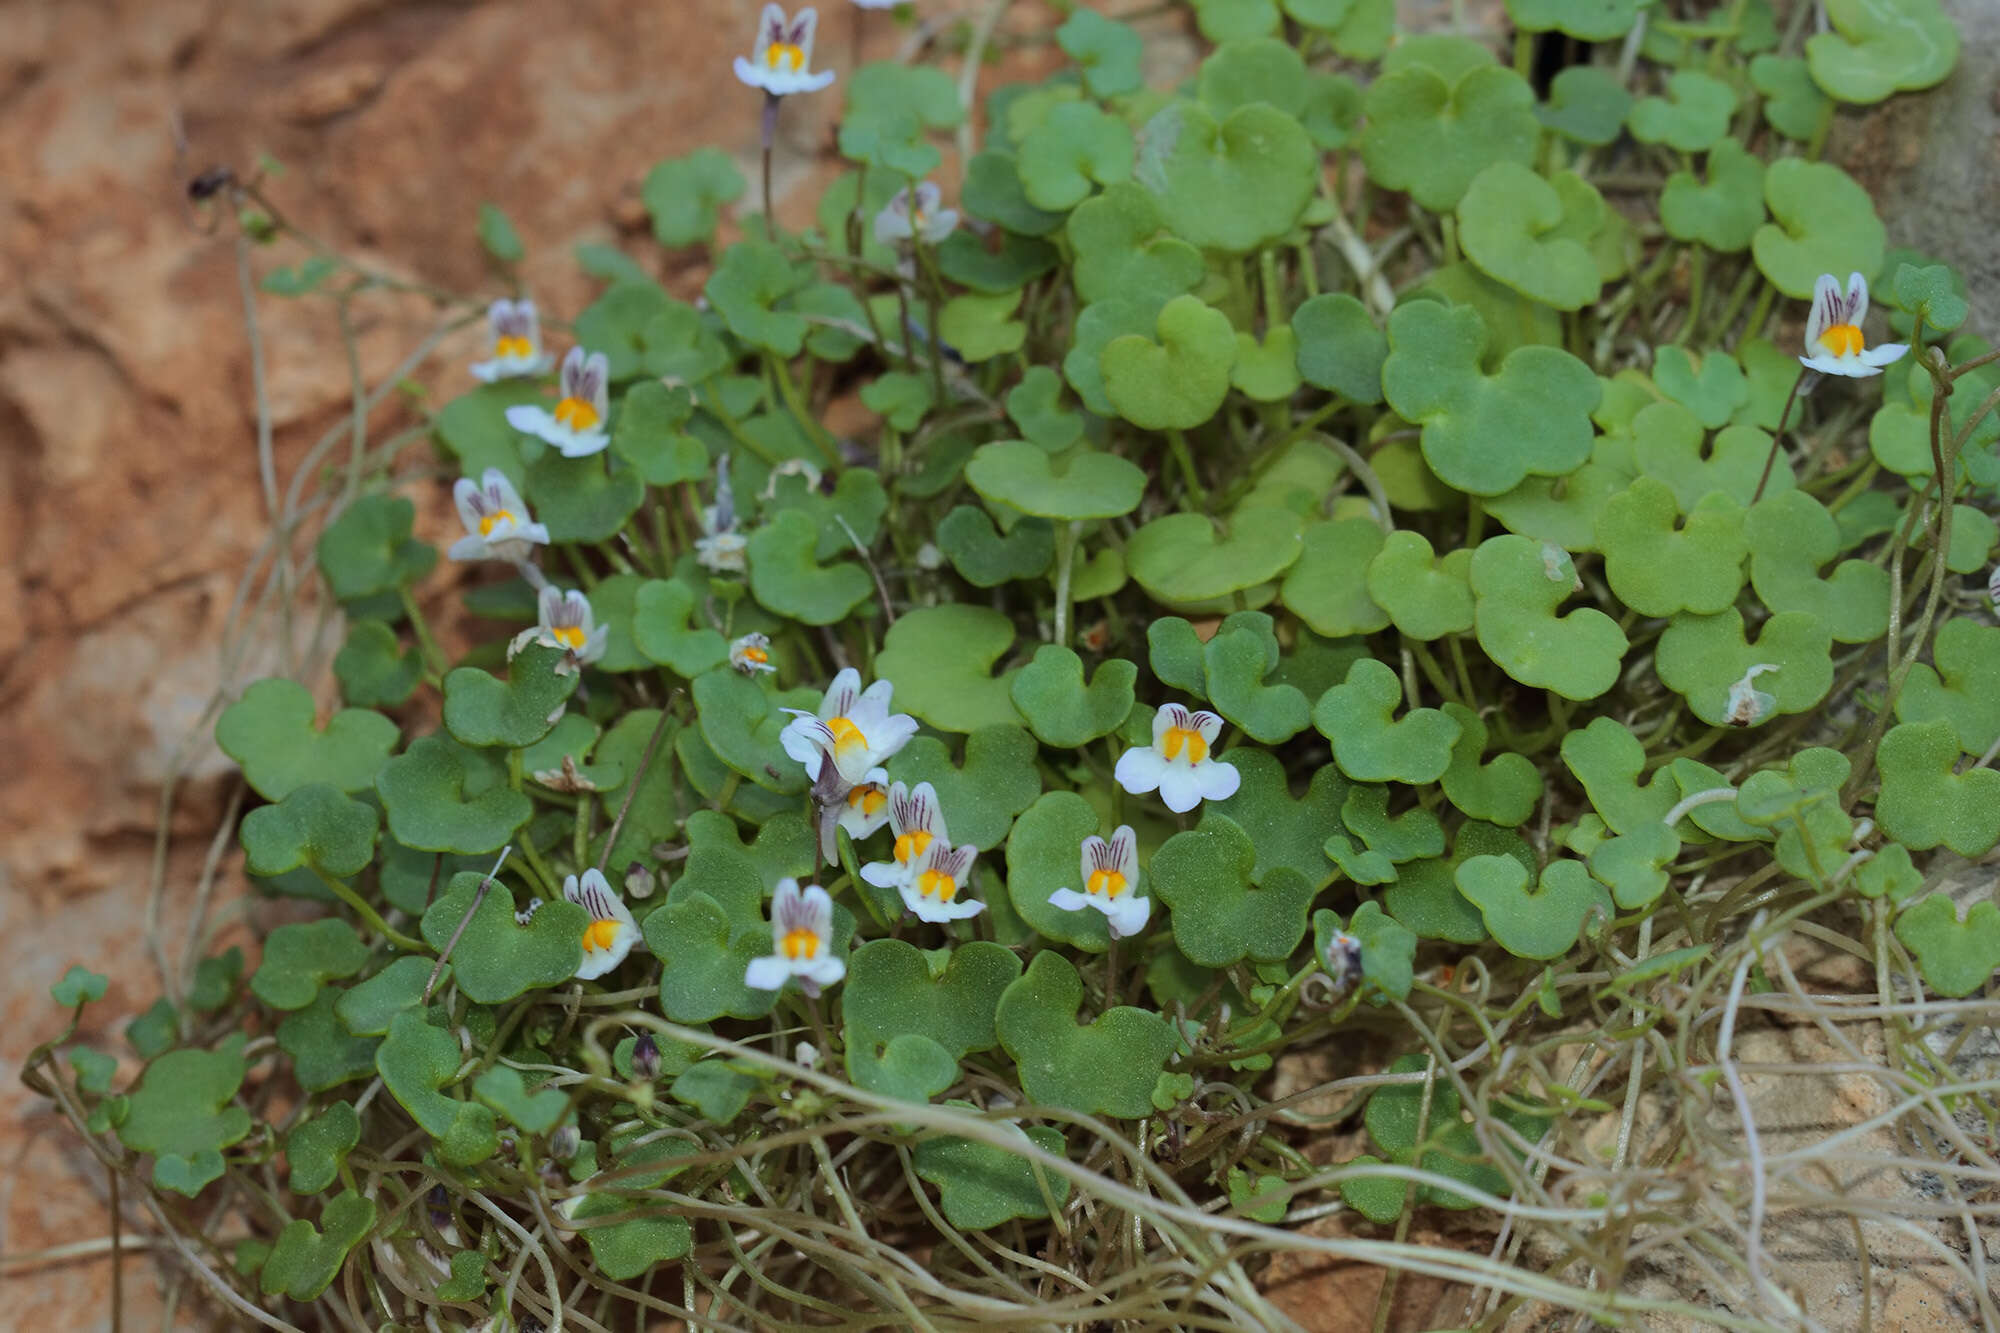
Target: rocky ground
pixel 130 499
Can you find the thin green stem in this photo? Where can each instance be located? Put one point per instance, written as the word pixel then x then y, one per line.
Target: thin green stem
pixel 369 916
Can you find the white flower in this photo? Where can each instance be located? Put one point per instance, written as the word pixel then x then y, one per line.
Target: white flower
pixel 942 872
pixel 611 932
pixel 1342 959
pixel 1110 883
pixel 1993 589
pixel 497 525
pixel 1833 331
pixel 1747 704
pixel 781 61
pixel 751 654
pixel 801 942
pixel 517 342
pixel 917 821
pixel 900 221
pixel 566 622
pixel 853 726
pixel 1177 763
pixel 878 4
pixel 867 807
pixel 576 426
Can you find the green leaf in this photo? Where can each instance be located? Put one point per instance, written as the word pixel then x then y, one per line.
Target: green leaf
pixel 416 1062
pixel 1229 183
pixel 497 234
pixel 1703 657
pixel 1431 135
pixel 1086 484
pixel 1825 222
pixel 1060 708
pixel 271 733
pixel 1328 587
pixel 1077 144
pixel 1792 537
pixel 1964 687
pixel 985 558
pixel 685 195
pixel 1339 347
pixel 1450 1146
pixel 715 1089
pixel 1634 864
pixel 1882 47
pixel 891 991
pixel 899 398
pixel 741 721
pixel 1608 759
pixel 1958 954
pixel 78 986
pixel 1692 117
pixel 992 191
pixel 745 289
pixel 1539 923
pixel 1586 104
pixel 1517 586
pixel 651 434
pixel 482 711
pixel 300 279
pixel 1726 213
pixel 1369 743
pixel 643 331
pixel 1923 803
pixel 981 1186
pixel 1934 293
pixel 1585 20
pixel 1107 1067
pixel 1177 382
pixel 1426 597
pixel 302 956
pixel 1109 52
pixel 661 630
pixel 305 1259
pixel 367 1009
pixel 1236 661
pixel 1182 562
pixel 1284 832
pixel 1044 853
pixel 313 826
pixel 1484 434
pixel 940 659
pixel 502 1088
pixel 787 579
pixel 316 1148
pixel 1793 103
pixel 183 1113
pixel 1219 916
pixel 997 780
pixel 497 958
pixel 1504 790
pixel 369 550
pixel 324 1055
pixel 1514 226
pixel 627 1250
pixel 441 797
pixel 1657 567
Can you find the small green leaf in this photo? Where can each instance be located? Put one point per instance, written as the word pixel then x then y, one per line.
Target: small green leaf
pixel 661 629
pixel 416 1062
pixel 1934 293
pixel 1704 657
pixel 315 1148
pixel 1657 567
pixel 985 558
pixel 183 1113
pixel 1109 52
pixel 1178 381
pixel 1724 214
pixel 745 289
pixel 1587 104
pixel 1792 537
pixel 503 1089
pixel 1825 222
pixel 1060 708
pixel 1430 135
pixel 1514 226
pixel 981 327
pixel 787 579
pixel 1634 864
pixel 1286 833
pixel 1085 484
pixel 1328 587
pixel 1504 790
pixel 1963 689
pixel 482 711
pixel 1219 916
pixel 1585 20
pixel 981 1186
pixel 497 958
pixel 1608 759
pixel 1517 586
pixel 78 986
pixel 891 991
pixel 1230 183
pixel 1369 743
pixel 1882 47
pixel 1793 103
pixel 313 826
pixel 1692 117
pixel 1426 597
pixel 1484 433
pixel 685 195
pixel 940 658
pixel 441 797
pixel 627 1250
pixel 1044 853
pixel 1958 954
pixel 369 550
pixel 1107 1067
pixel 324 1055
pixel 270 731
pixel 1182 562
pixel 1339 347
pixel 1923 803
pixel 1539 923
pixel 302 956
pixel 1076 145
pixel 497 234
pixel 305 1259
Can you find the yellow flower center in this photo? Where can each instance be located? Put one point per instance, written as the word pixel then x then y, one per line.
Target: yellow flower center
pixel 599 935
pixel 1187 739
pixel 911 845
pixel 1842 340
pixel 936 884
pixel 492 520
pixel 799 943
pixel 513 345
pixel 846 736
pixel 1107 882
pixel 576 414
pixel 752 653
pixel 786 53
pixel 569 636
pixel 868 799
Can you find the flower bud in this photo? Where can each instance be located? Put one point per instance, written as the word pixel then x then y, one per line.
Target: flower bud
pixel 646 1058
